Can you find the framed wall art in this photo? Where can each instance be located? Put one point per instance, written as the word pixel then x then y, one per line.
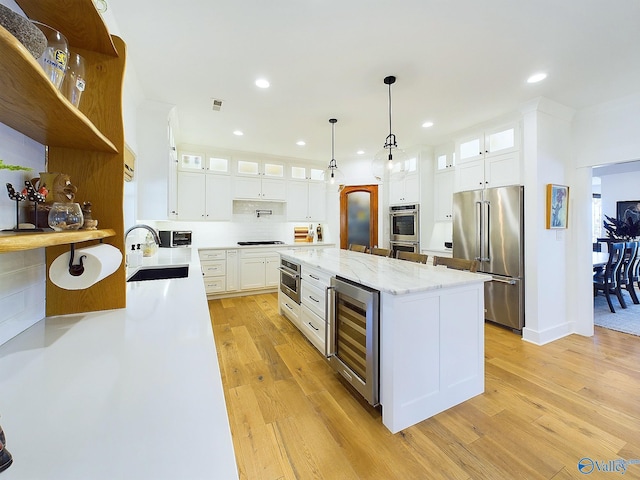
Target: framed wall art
pixel 557 206
pixel 628 210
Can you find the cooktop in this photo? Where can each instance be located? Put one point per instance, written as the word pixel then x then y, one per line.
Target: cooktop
pixel 264 242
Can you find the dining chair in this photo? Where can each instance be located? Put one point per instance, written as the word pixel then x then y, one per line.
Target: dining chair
pixel 456 263
pixel 412 257
pixel 628 269
pixel 382 252
pixel 607 279
pixel 354 247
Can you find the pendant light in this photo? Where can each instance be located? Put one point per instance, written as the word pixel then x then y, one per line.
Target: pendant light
pixel 389 162
pixel 333 175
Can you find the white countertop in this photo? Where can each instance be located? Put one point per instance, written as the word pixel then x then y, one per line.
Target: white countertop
pixel 397 277
pixel 122 394
pixel 226 246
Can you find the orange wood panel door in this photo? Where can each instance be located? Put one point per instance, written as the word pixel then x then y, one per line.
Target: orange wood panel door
pixel 359 215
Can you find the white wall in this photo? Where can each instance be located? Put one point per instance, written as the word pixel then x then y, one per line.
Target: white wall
pixel 618 188
pixel 22 274
pixel 546 152
pixel 601 135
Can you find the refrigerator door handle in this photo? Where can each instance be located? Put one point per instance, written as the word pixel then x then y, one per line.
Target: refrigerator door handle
pixel 485 229
pixel 509 281
pixel 478 234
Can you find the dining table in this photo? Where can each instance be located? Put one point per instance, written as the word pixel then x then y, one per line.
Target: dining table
pixel 599 259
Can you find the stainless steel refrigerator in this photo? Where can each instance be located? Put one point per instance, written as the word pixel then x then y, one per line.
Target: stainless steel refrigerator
pixel 488 226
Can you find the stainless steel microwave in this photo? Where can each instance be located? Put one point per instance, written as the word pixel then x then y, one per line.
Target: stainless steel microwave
pixel 175 238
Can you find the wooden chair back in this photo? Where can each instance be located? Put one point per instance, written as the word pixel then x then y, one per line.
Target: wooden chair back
pixel 354 247
pixel 412 257
pixel 382 252
pixel 456 263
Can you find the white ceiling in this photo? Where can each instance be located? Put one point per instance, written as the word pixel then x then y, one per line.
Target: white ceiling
pixel 457 63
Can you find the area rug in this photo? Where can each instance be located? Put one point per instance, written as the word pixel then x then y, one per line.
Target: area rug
pixel 625 320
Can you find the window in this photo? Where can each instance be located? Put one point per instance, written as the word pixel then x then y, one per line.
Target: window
pixel 596 211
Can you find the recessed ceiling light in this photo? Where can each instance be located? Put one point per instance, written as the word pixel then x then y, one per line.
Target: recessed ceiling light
pixel 360 152
pixel 262 83
pixel 238 133
pixel 538 77
pixel 427 124
pixel 301 143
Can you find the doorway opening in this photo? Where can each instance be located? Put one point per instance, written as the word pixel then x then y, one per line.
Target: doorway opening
pixel 359 215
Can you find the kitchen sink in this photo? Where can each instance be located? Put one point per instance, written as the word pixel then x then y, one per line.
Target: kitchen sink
pixel 160 272
pixel 263 242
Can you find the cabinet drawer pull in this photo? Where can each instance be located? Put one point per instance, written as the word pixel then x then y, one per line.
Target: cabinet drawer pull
pixel 311 325
pixel 288 306
pixel 315 300
pixel 314 277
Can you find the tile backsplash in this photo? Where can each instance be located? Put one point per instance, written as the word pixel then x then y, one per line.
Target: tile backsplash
pixel 22 274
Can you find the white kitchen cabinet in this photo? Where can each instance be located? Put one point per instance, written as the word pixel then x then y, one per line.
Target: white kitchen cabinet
pixel 214 269
pixel 202 196
pixel 259 269
pixel 259 188
pixel 313 287
pixel 289 309
pixel 445 157
pixel 305 172
pixel 192 161
pixel 306 201
pixel 443 185
pixel 404 182
pixel 495 171
pixel 405 190
pixel 313 327
pixel 496 141
pixel 272 274
pixel 232 271
pixel 252 273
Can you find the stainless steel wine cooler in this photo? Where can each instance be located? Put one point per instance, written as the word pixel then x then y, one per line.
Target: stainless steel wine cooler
pixel 352 344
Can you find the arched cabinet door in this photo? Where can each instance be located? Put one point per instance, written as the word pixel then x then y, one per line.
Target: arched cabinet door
pixel 359 215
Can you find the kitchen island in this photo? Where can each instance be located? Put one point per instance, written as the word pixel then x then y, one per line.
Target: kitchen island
pixel 133 393
pixel 431 330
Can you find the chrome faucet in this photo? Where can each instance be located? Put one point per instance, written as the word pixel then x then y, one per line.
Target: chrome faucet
pixel 141 225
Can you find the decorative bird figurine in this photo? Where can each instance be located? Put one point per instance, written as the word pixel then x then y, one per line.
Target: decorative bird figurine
pixel 13 195
pixel 32 194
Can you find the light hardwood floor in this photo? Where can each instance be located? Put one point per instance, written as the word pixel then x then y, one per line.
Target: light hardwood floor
pixel 543 409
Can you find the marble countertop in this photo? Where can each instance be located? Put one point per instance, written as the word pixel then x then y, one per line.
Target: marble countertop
pixel 397 277
pixel 226 246
pixel 134 393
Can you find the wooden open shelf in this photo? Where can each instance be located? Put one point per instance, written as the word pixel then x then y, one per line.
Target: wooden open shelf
pixel 32 105
pixel 88 31
pixel 17 241
pixel 87 143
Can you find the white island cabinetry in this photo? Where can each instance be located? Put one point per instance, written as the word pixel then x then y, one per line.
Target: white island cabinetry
pixel 431 329
pixel 313 298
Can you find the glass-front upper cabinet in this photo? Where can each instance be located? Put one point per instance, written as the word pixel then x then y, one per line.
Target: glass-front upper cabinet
pixel 445 157
pixel 254 168
pixel 499 140
pixel 303 172
pixel 218 164
pixel 190 161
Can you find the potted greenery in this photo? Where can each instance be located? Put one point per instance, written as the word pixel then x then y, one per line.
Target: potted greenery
pixel 621 229
pixel 4 166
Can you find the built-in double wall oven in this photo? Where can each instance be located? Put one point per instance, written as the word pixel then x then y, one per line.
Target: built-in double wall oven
pixel 404 228
pixel 290 280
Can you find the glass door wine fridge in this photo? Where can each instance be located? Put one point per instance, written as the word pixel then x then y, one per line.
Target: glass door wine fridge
pixel 352 344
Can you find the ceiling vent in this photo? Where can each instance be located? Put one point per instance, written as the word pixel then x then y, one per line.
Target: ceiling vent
pixel 216 104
